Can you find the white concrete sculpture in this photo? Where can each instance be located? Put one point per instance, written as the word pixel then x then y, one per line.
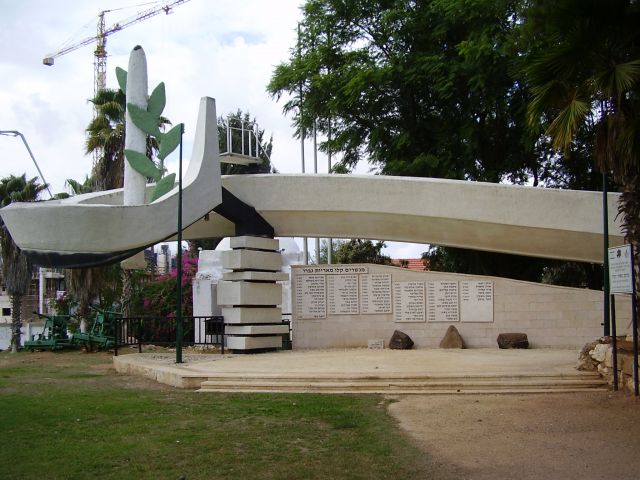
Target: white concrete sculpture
pixel 135 138
pixel 541 222
pixel 109 226
pixel 210 272
pixel 101 227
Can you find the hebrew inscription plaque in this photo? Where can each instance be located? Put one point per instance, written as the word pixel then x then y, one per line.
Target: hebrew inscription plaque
pixel 311 296
pixel 442 301
pixel 375 294
pixel 476 301
pixel 408 302
pixel 342 294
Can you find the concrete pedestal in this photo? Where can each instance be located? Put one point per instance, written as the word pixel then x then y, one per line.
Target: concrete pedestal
pixel 249 295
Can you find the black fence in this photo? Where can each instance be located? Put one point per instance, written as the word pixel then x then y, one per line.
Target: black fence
pixel 161 331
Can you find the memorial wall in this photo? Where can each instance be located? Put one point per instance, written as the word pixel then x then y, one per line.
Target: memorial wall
pixel 355 305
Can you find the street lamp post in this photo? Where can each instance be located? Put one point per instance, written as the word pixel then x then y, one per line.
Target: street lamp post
pixel 15 133
pixel 179 332
pixel 605 267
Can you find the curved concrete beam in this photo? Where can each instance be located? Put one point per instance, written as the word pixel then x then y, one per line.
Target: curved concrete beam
pixel 97 228
pixel 551 223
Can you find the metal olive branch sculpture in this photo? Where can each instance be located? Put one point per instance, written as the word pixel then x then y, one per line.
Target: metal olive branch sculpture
pixel 148 121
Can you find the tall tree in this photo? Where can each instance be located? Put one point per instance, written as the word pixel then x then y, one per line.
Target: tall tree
pixel 583 68
pixel 432 88
pixel 16 268
pixel 105 139
pixel 416 88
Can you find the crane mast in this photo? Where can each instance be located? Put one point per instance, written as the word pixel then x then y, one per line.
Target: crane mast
pixel 100 53
pixel 100 58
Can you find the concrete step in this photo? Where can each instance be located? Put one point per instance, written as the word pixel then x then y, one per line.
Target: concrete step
pixel 398 385
pixel 394 377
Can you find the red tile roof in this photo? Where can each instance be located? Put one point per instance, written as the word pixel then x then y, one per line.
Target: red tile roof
pixel 410 263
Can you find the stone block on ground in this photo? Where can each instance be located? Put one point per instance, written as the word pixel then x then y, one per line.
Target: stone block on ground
pixel 599 352
pixel 513 340
pixel 585 362
pixel 400 341
pixel 452 338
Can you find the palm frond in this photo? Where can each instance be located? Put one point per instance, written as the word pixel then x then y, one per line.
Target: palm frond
pixel 564 127
pixel 617 79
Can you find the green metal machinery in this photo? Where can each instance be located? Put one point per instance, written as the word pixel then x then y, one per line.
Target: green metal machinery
pixel 53 336
pixel 102 333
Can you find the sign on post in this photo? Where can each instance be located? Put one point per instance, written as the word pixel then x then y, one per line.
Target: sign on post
pixel 620 269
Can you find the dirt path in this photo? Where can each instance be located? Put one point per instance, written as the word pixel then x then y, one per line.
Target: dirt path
pixel 525 437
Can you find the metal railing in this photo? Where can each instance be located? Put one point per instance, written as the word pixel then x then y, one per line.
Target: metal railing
pixel 242 139
pixel 161 331
pixel 287 338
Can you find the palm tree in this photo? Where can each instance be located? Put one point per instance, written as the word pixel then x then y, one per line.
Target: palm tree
pixel 105 139
pixel 16 268
pixel 585 74
pixel 85 283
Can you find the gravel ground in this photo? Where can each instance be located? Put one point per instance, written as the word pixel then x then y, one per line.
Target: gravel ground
pixel 591 435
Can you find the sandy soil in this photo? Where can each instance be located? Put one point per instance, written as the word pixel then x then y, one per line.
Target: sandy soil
pixel 544 436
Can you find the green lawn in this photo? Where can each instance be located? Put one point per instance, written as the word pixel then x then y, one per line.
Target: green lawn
pixel 68 415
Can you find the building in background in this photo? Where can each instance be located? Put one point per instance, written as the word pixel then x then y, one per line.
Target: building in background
pixel 410 263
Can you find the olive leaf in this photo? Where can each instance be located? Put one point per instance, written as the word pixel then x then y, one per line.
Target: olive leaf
pixel 145 121
pixel 169 141
pixel 149 121
pixel 157 100
pixel 163 186
pixel 141 164
pixel 121 75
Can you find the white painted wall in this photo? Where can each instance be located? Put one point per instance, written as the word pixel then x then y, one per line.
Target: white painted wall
pixel 551 316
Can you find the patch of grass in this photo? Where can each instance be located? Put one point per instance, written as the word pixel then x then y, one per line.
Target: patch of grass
pixel 80 420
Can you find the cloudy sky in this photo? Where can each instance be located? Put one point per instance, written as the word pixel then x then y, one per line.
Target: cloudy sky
pixel 218 48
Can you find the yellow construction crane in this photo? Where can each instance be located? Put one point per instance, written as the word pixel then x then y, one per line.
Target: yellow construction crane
pixel 100 54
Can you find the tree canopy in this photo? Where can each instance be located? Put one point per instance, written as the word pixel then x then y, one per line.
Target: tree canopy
pixel 358 251
pixel 416 88
pixel 470 90
pixel 583 69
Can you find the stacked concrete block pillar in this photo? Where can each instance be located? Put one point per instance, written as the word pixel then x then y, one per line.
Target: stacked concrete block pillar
pixel 249 295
